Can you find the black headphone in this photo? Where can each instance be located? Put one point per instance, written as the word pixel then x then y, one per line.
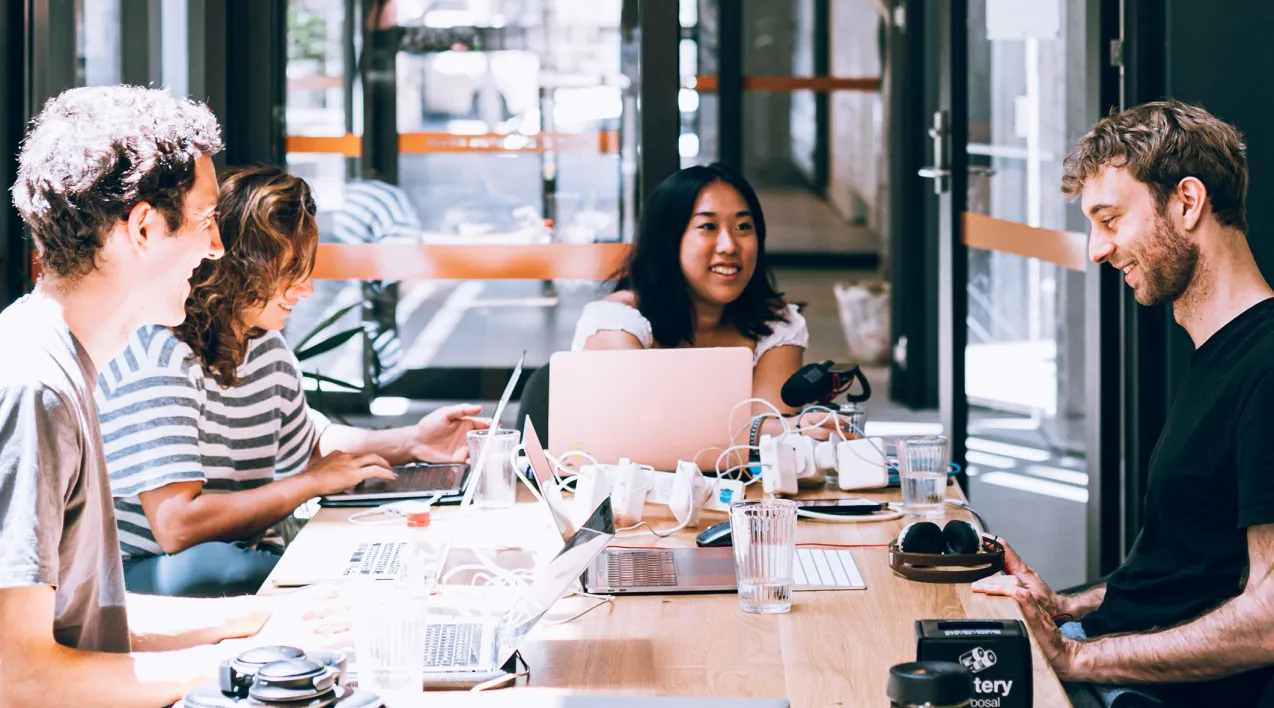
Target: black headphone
pixel 955 553
pixel 281 675
pixel 957 537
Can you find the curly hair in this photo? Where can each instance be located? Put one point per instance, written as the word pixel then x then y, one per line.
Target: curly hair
pixel 653 271
pixel 1161 143
pixel 93 154
pixel 267 223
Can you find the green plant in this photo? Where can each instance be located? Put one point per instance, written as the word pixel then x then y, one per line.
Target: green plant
pixel 307 35
pixel 305 351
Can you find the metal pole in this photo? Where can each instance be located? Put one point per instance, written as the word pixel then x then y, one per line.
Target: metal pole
pixel 730 83
pixel 659 28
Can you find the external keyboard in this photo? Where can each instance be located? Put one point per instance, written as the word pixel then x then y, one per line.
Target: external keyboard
pixel 822 568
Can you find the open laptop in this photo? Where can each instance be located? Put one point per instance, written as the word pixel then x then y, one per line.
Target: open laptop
pixel 442 482
pixel 478 647
pixel 654 406
pixel 671 571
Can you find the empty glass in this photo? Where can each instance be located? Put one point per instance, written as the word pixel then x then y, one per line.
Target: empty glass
pixel 922 470
pixel 498 483
pixel 389 636
pixel 764 537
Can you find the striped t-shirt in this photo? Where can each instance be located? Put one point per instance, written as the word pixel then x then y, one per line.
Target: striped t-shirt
pixel 375 211
pixel 164 420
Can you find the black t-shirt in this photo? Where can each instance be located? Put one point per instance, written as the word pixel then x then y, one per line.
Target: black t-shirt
pixel 1211 477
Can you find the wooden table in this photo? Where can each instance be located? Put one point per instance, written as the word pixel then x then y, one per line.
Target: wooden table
pixel 833 649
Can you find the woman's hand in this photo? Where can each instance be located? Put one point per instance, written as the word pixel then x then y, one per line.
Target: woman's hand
pixel 442 436
pixel 822 425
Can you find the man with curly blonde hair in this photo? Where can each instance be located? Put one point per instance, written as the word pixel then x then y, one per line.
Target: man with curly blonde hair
pixel 117 187
pixel 1188 618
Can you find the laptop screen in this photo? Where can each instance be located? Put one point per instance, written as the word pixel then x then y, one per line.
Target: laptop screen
pixel 551 580
pixel 477 466
pixel 546 481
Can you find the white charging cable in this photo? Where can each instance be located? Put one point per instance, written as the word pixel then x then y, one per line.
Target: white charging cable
pixel 776 414
pixel 393 512
pixel 832 415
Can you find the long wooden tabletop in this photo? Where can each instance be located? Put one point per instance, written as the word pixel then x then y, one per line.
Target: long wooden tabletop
pixel 833 649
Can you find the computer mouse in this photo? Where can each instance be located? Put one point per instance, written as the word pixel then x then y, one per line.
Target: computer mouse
pixel 715 535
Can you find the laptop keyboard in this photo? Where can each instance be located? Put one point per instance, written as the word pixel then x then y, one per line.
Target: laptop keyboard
pixel 627 569
pixel 452 645
pixel 374 560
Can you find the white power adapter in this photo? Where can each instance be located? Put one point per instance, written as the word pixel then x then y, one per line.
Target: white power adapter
pixel 778 465
pixel 592 487
pixel 690 491
pixel 629 486
pixel 808 474
pixel 860 465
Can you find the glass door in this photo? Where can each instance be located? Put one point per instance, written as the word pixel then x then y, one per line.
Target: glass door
pixel 1013 92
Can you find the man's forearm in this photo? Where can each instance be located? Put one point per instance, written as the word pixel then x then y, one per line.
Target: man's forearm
pixel 1079 605
pixel 169 623
pixel 231 516
pixel 1231 639
pixel 394 445
pixel 69 677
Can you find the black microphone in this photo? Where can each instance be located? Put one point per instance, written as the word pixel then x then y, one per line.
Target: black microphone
pixel 810 383
pixel 820 383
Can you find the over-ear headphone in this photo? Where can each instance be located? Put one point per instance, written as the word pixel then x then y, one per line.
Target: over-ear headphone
pixel 284 676
pixel 955 553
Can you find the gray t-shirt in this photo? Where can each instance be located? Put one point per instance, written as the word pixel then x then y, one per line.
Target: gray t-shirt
pixel 57 523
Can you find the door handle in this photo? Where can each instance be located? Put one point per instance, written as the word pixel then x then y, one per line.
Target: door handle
pixel 940 170
pixel 982 170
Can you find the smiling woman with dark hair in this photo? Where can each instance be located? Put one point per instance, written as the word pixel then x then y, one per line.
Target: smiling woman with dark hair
pixel 698 277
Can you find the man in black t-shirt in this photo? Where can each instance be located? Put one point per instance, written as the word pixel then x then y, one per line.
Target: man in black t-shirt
pixel 1188 619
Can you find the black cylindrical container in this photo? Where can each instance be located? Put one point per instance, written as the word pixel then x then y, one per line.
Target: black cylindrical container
pixel 930 684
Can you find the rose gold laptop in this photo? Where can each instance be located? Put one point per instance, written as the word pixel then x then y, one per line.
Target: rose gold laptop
pixel 652 406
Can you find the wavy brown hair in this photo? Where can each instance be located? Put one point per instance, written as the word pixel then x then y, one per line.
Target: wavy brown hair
pixel 267 223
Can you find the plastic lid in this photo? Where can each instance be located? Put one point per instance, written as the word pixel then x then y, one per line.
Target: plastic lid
pixel 938 683
pixel 417 519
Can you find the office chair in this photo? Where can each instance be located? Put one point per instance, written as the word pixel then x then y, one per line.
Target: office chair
pixel 534 401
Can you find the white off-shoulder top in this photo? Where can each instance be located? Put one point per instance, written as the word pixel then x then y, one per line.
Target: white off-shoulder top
pixel 608 315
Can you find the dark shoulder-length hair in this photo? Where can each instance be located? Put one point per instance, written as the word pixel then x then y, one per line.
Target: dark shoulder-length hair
pixel 653 269
pixel 268 225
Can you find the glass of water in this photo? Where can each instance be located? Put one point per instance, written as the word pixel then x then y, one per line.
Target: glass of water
pixel 389 636
pixel 498 483
pixel 922 469
pixel 764 537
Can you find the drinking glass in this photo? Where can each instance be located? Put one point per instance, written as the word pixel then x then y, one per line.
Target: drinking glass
pixel 764 537
pixel 389 636
pixel 922 470
pixel 498 483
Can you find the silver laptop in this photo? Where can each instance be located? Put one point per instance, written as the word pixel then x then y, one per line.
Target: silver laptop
pixel 620 570
pixel 469 647
pixel 674 571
